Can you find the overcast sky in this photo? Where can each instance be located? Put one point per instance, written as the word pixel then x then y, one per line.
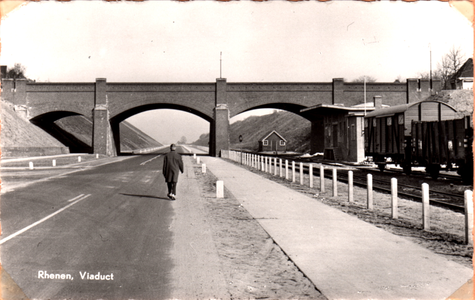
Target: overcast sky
pixel 272 41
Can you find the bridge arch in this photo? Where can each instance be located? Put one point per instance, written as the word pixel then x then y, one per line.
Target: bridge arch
pixel 77 142
pixel 117 119
pixel 290 107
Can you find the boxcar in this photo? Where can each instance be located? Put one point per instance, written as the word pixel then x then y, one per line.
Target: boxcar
pixel 388 131
pixel 449 143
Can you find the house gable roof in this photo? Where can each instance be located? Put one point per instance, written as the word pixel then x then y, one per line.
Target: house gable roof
pixel 273 131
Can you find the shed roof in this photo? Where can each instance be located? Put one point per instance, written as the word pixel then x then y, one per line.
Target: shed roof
pixel 273 131
pixel 390 111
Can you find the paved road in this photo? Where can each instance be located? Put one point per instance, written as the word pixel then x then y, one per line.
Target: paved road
pixel 112 221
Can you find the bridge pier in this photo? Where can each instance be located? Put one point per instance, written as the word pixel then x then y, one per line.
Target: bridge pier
pixel 102 136
pixel 219 131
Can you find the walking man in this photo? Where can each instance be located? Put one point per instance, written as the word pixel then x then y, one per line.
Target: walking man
pixel 172 163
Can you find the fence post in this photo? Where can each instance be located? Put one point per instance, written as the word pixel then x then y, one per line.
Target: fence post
pixel 219 189
pixel 468 217
pixel 293 171
pixel 369 204
pixel 275 166
pixel 286 169
pixel 280 167
pixel 350 186
pixel 310 174
pixel 322 179
pixel 335 188
pixel 394 212
pixel 301 173
pixel 425 207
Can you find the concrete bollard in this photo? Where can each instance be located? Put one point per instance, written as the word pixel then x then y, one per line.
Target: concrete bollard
pixel 350 186
pixel 54 162
pixel 219 189
pixel 286 169
pixel 293 171
pixel 301 173
pixel 394 212
pixel 203 168
pixel 425 207
pixel 369 204
pixel 79 158
pixel 468 217
pixel 322 179
pixel 280 167
pixel 334 183
pixel 31 165
pixel 310 174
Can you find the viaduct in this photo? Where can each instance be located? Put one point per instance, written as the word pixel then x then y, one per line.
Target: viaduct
pixel 107 104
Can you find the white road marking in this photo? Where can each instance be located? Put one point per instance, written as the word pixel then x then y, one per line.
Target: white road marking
pixel 75 198
pixel 142 164
pixel 45 218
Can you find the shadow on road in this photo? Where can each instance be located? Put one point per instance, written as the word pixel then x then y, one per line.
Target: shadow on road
pixel 146 196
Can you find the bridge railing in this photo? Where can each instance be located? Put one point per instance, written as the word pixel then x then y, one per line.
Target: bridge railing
pixel 280 167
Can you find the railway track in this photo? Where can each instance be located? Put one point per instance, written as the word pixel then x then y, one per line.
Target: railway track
pixel 381 182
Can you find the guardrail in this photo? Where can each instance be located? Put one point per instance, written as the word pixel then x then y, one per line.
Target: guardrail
pixel 274 165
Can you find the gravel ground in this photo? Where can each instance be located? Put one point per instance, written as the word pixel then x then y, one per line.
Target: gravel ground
pixel 256 268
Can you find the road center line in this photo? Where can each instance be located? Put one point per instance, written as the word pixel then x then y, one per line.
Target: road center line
pixel 75 198
pixel 142 164
pixel 81 197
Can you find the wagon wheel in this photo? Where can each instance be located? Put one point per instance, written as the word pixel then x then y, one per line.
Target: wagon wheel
pixel 406 168
pixel 433 171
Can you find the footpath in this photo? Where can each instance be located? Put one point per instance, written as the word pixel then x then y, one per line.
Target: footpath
pixel 344 257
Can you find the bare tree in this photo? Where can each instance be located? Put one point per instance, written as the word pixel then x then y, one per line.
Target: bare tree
pixel 18 71
pixel 362 79
pixel 449 64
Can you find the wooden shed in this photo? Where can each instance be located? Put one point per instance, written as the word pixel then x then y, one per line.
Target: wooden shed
pixel 273 142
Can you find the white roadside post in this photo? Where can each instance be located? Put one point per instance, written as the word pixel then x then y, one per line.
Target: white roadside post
pixel 97 155
pixel 322 179
pixel 203 168
pixel 286 169
pixel 79 158
pixel 219 189
pixel 54 162
pixel 31 165
pixel 194 156
pixel 280 166
pixel 198 160
pixel 369 204
pixel 293 171
pixel 301 173
pixel 335 187
pixel 350 186
pixel 468 217
pixel 425 207
pixel 310 174
pixel 394 212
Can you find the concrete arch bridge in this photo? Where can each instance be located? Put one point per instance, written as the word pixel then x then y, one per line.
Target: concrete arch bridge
pixel 107 104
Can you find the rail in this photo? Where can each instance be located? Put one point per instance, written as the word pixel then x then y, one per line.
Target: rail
pixel 291 170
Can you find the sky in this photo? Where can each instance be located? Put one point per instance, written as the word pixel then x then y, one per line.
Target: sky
pixel 271 41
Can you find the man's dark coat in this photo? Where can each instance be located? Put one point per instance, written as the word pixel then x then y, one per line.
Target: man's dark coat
pixel 172 164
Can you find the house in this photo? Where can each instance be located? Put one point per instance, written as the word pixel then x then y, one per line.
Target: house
pixel 273 142
pixel 463 79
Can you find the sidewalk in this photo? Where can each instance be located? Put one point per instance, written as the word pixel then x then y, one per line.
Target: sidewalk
pixel 343 256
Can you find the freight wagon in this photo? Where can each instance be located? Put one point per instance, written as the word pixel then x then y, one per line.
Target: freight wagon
pixel 425 133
